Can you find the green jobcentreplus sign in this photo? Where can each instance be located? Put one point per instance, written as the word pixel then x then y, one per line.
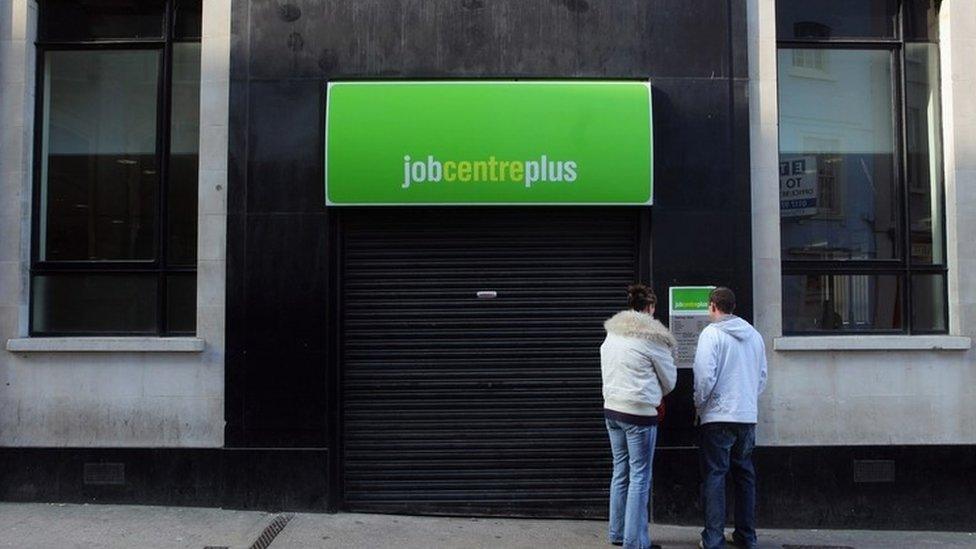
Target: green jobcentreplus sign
pixel 488 142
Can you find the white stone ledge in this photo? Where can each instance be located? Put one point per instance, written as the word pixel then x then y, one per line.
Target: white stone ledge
pixel 873 343
pixel 106 345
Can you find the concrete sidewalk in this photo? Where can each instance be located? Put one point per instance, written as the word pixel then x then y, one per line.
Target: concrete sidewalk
pixel 48 526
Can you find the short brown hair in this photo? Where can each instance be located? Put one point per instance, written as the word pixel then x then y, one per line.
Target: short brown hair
pixel 640 296
pixel 723 298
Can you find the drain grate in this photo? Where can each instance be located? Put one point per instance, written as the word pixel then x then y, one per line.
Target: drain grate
pixel 271 531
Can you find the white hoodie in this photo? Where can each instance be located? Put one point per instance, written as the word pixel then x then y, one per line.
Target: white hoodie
pixel 730 372
pixel 637 363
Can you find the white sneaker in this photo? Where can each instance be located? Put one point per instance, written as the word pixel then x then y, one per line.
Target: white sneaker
pixel 728 541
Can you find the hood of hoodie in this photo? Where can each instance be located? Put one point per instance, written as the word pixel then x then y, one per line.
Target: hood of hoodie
pixel 640 326
pixel 734 326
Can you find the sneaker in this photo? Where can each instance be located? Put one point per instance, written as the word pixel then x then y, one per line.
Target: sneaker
pixel 730 539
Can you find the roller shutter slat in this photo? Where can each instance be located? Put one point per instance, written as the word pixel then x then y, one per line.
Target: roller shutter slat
pixel 454 404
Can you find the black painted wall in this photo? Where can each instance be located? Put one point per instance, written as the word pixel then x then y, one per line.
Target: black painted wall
pixel 799 487
pixel 283 54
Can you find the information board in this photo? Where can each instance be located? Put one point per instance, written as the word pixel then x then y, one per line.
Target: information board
pixel 688 313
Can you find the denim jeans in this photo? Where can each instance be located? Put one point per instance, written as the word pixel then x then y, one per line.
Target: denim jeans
pixel 726 446
pixel 630 485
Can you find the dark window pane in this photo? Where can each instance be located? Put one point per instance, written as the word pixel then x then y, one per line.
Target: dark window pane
pixel 188 19
pixel 94 303
pixel 99 171
pixel 929 303
pixel 181 303
pixel 74 20
pixel 923 132
pixel 922 19
pixel 184 154
pixel 820 19
pixel 839 197
pixel 841 303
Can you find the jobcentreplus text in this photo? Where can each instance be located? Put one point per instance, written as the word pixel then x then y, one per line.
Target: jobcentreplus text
pixel 490 170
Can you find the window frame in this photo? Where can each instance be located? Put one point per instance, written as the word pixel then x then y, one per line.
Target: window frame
pixel 158 266
pixel 904 266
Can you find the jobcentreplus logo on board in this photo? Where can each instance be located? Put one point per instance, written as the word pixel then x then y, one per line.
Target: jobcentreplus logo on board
pixel 700 304
pixel 492 170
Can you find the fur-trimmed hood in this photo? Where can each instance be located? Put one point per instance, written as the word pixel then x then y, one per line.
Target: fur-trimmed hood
pixel 637 363
pixel 641 326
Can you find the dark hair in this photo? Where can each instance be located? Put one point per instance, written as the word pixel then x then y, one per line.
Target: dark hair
pixel 640 296
pixel 723 298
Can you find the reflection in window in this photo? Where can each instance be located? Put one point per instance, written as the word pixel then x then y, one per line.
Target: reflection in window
pixel 181 302
pixel 815 60
pixel 80 20
pixel 820 19
pixel 188 19
pixel 838 125
pixel 862 212
pixel 828 176
pixel 99 174
pixel 184 154
pixel 921 19
pixel 929 312
pixel 91 304
pixel 118 130
pixel 841 303
pixel 924 146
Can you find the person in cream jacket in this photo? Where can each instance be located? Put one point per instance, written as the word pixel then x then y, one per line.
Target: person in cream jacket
pixel 638 369
pixel 637 363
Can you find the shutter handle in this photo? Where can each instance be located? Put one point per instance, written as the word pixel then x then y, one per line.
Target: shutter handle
pixel 487 294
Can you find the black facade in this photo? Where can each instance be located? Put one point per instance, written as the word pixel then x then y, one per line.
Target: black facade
pixel 285 343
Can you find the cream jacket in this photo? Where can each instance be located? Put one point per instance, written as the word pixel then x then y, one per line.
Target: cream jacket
pixel 637 363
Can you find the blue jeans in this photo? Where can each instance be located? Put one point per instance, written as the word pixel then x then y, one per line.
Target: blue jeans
pixel 724 445
pixel 630 486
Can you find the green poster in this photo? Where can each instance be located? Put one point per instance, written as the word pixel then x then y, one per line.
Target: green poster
pixel 488 142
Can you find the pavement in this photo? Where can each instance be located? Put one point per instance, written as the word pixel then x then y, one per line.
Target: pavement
pixel 56 526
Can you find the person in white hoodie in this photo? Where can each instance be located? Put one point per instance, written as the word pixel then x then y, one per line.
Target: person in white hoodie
pixel 638 370
pixel 730 373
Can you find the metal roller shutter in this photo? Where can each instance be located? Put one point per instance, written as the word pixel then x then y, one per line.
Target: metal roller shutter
pixel 458 404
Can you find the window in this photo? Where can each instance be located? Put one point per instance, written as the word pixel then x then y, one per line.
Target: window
pixel 861 183
pixel 114 246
